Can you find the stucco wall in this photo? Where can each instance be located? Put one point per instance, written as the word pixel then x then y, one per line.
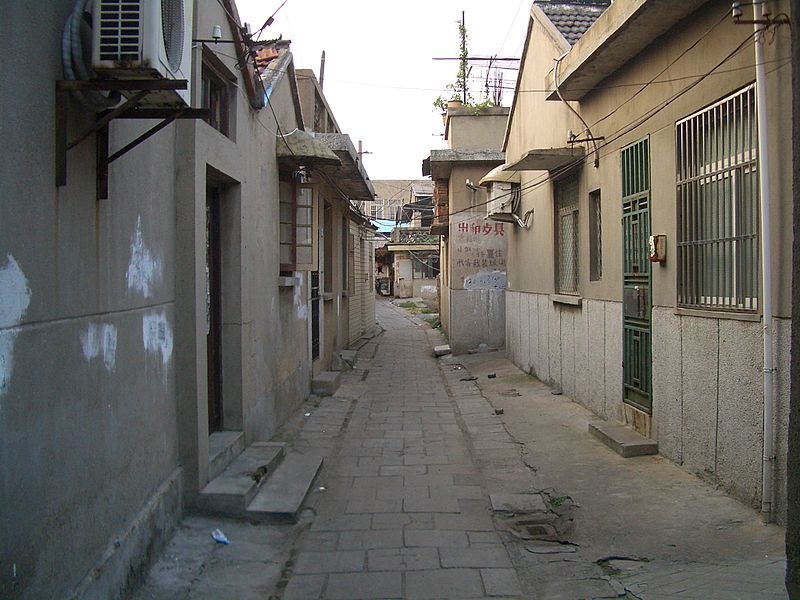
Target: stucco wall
pixel 265 370
pixel 476 266
pixel 87 411
pixel 464 131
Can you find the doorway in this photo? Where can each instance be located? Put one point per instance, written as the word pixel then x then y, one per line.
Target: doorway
pixel 214 306
pixel 636 285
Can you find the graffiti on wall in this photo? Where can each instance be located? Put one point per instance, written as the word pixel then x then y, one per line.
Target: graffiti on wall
pixel 478 250
pixel 15 297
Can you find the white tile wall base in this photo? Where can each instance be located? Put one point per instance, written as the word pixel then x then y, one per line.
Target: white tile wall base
pixel 574 348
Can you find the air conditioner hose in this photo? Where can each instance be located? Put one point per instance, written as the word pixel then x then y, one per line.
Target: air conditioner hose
pixel 75 68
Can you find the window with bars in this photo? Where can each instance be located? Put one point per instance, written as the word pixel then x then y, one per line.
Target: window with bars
pixel 718 205
pixel 566 230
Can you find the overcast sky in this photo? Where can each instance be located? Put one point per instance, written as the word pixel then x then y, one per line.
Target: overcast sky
pixel 380 79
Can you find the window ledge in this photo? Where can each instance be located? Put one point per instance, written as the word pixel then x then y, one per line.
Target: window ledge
pixel 328 296
pixel 566 299
pixel 291 281
pixel 717 314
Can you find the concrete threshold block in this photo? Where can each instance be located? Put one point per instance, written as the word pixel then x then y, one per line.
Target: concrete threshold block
pixel 326 383
pixel 229 493
pixel 283 494
pixel 442 350
pixel 344 360
pixel 622 440
pixel 223 447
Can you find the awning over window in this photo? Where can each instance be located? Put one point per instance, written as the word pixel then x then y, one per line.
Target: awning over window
pixel 547 159
pixel 300 148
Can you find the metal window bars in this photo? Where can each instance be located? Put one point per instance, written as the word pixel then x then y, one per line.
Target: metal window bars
pixel 567 236
pixel 718 205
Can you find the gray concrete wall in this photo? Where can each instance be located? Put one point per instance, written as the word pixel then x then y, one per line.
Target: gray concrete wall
pixel 466 130
pixel 88 420
pixel 476 266
pixel 266 367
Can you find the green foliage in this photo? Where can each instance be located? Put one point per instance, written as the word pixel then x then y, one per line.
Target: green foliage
pixel 459 88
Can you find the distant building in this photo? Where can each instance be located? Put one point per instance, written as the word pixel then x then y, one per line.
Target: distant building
pixel 473 247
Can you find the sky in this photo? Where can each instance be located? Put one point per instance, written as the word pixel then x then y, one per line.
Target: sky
pixel 380 79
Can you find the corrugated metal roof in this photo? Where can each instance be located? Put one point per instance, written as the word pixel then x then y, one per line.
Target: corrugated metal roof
pixel 572 19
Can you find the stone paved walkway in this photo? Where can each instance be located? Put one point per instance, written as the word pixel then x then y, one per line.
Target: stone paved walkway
pixel 405 513
pixel 414 446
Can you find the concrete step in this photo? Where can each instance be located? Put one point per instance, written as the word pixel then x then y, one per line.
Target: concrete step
pixel 223 447
pixel 326 383
pixel 282 496
pixel 344 360
pixel 622 440
pixel 229 493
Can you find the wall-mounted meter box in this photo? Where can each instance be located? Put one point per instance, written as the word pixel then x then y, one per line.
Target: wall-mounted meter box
pixel 657 248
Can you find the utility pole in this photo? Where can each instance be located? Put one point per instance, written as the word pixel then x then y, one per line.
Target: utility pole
pixel 464 56
pixel 793 459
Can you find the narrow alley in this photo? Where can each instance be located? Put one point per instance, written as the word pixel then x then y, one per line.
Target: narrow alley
pixel 466 478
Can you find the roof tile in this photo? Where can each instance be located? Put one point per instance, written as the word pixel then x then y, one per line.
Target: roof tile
pixel 572 19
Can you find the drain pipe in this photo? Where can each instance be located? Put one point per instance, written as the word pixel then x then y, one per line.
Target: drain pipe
pixel 768 466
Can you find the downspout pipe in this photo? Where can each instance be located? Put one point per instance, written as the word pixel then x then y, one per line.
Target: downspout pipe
pixel 768 458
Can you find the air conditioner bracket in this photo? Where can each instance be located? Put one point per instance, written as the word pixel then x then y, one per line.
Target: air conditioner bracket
pixel 130 109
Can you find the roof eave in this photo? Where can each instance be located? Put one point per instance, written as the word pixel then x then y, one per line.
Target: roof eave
pixel 623 30
pixel 442 162
pixel 351 175
pixel 536 14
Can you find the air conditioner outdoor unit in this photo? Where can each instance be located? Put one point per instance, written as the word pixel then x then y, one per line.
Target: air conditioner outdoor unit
pixel 144 39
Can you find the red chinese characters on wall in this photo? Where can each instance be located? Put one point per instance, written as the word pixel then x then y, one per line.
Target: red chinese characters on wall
pixel 478 229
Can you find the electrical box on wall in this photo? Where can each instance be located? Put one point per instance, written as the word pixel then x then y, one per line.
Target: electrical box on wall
pixel 657 248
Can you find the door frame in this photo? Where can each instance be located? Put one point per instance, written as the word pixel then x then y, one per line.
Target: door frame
pixel 637 286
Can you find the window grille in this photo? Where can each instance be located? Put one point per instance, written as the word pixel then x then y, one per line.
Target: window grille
pixel 567 237
pixel 718 205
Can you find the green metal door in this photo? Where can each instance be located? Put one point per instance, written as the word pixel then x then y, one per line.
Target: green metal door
pixel 636 284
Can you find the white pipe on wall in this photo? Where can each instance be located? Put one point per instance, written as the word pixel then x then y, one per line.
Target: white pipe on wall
pixel 768 475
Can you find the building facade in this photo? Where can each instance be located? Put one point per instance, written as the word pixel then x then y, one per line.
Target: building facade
pixel 156 310
pixel 649 127
pixel 473 248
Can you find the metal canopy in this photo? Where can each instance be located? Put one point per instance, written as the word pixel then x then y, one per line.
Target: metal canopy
pixel 547 159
